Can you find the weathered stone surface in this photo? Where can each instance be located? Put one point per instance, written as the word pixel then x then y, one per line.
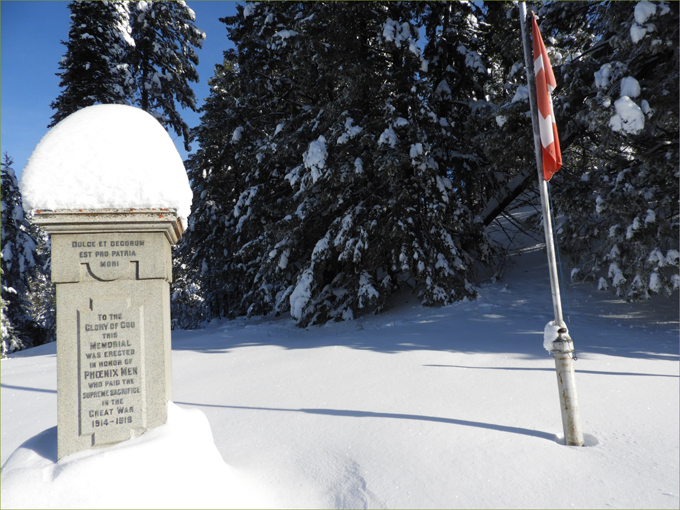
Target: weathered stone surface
pixel 111 256
pixel 112 271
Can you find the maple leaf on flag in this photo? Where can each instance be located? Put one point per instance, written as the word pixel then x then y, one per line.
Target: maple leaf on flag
pixel 545 84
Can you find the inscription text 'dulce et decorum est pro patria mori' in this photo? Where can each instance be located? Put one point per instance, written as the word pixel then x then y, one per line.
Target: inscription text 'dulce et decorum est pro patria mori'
pixel 108 253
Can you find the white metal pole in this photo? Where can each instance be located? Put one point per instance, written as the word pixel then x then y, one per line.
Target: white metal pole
pixel 550 247
pixel 563 345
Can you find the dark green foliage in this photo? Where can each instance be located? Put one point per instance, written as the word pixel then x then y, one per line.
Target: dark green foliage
pixel 163 59
pixel 137 53
pixel 95 68
pixel 616 198
pixel 618 190
pixel 325 181
pixel 343 159
pixel 27 295
pixel 352 150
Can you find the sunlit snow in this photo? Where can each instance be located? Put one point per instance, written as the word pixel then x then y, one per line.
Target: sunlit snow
pixel 630 87
pixel 104 157
pixel 643 10
pixel 450 407
pixel 629 117
pixel 150 471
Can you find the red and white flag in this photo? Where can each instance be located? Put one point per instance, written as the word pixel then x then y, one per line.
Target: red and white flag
pixel 545 84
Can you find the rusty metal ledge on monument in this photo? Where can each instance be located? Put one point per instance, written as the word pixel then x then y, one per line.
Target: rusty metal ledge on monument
pixel 80 221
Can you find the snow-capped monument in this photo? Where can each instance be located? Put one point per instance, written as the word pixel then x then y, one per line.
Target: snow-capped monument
pixel 109 187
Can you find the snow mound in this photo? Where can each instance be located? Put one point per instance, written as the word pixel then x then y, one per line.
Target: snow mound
pixel 149 471
pixel 643 11
pixel 315 157
pixel 630 87
pixel 629 117
pixel 301 295
pixel 550 334
pixel 107 157
pixel 603 76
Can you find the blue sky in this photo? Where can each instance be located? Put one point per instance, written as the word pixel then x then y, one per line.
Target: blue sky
pixel 30 50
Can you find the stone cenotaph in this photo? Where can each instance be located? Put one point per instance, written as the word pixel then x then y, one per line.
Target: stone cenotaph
pixel 112 270
pixel 112 219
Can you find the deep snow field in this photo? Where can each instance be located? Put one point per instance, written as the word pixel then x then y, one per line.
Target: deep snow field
pixel 453 407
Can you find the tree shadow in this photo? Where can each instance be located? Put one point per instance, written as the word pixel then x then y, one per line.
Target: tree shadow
pixel 383 333
pixel 578 371
pixel 506 323
pixel 471 335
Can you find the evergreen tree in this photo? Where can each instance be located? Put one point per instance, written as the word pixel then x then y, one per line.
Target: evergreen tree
pixel 499 130
pixel 198 294
pixel 618 190
pixel 342 159
pixel 137 53
pixel 94 69
pixel 323 180
pixel 475 66
pixel 27 295
pixel 616 106
pixel 458 76
pixel 163 60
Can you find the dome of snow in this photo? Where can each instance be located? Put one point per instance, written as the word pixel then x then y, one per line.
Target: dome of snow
pixel 107 157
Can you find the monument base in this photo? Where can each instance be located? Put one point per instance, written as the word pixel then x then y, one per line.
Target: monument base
pixel 112 271
pixel 173 466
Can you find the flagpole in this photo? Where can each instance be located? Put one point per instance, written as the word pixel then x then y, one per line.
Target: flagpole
pixel 563 347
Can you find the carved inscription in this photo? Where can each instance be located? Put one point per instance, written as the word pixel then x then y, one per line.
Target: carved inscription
pixel 108 256
pixel 110 370
pixel 108 253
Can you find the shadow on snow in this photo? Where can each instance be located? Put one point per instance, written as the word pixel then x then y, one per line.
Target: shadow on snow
pixel 394 416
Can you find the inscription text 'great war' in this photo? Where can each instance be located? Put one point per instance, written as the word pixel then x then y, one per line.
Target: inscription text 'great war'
pixel 110 369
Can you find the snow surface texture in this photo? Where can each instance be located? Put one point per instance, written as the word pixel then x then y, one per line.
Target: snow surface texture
pixel 550 334
pixel 629 117
pixel 630 87
pixel 643 11
pixel 315 157
pixel 150 471
pixel 452 407
pixel 107 157
pixel 603 76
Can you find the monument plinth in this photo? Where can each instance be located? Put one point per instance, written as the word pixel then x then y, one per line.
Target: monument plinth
pixel 112 270
pixel 109 186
